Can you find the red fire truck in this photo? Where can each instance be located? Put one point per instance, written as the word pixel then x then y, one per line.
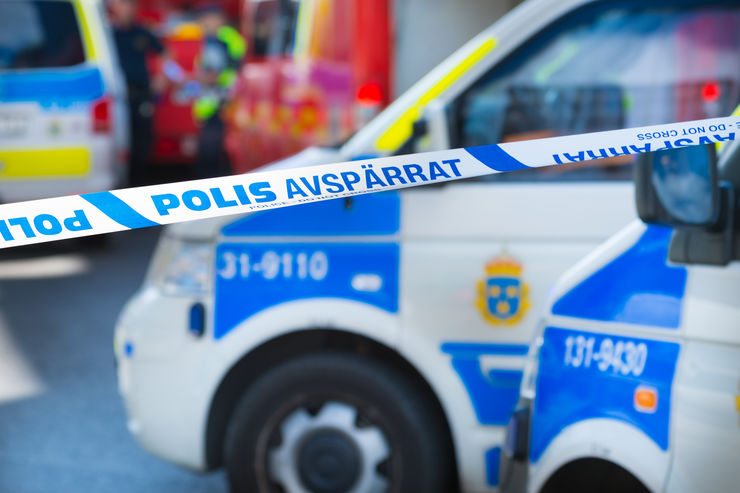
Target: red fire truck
pixel 174 21
pixel 315 70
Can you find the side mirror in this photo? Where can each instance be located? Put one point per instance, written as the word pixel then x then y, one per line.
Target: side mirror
pixel 678 187
pixel 430 132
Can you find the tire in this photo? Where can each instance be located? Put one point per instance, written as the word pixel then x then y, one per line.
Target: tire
pixel 593 475
pixel 291 429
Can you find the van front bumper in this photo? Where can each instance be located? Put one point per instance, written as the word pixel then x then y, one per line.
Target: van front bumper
pixel 514 465
pixel 163 377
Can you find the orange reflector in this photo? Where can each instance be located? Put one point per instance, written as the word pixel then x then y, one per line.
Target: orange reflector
pixel 646 399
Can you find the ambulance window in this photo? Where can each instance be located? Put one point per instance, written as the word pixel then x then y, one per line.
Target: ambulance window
pixel 39 34
pixel 604 67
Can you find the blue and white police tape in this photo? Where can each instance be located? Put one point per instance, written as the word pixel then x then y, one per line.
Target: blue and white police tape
pixel 75 216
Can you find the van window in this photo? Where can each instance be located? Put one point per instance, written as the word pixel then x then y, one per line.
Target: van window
pixel 605 67
pixel 39 34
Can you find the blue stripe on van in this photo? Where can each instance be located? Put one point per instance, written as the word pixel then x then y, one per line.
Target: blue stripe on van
pixel 638 287
pixel 373 214
pixel 258 283
pixel 600 383
pixel 48 87
pixel 493 391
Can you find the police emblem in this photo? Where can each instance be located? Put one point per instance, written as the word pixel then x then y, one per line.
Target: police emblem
pixel 503 298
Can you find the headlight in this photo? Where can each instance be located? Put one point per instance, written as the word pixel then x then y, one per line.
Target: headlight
pixel 531 365
pixel 182 268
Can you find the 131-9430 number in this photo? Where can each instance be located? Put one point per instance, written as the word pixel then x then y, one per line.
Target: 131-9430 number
pixel 272 265
pixel 625 357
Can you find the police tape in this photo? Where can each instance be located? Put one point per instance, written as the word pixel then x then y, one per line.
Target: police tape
pixel 76 216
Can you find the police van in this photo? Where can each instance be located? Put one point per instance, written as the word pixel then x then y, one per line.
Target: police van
pixel 63 120
pixel 634 379
pixel 378 342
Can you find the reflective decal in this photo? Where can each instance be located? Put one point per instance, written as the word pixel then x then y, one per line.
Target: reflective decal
pixel 52 87
pixel 493 392
pixel 492 459
pixel 585 375
pixel 737 404
pixel 86 33
pixel 638 287
pixel 400 131
pixel 46 163
pixel 251 277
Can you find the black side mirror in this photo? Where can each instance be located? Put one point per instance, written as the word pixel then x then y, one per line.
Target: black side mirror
pixel 680 188
pixel 419 129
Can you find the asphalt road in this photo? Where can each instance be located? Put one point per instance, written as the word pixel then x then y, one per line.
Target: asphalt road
pixel 62 423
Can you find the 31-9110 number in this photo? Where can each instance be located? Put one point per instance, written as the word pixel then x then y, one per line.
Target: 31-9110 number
pixel 272 265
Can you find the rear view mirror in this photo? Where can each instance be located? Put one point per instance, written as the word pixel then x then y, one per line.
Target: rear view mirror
pixel 678 187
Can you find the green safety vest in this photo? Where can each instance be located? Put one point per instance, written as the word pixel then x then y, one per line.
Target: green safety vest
pixel 207 105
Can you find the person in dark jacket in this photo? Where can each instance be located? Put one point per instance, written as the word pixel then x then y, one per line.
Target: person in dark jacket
pixel 134 43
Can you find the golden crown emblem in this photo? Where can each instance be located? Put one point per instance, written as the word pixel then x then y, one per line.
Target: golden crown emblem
pixel 504 265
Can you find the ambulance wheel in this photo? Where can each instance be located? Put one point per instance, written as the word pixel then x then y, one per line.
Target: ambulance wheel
pixel 336 423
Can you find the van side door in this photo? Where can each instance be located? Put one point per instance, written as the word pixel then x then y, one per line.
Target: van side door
pixel 706 407
pixel 479 256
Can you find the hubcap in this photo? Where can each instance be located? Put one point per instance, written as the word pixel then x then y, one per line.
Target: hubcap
pixel 328 453
pixel 328 462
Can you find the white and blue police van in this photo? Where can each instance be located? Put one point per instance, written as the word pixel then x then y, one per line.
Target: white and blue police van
pixel 633 382
pixel 63 117
pixel 378 343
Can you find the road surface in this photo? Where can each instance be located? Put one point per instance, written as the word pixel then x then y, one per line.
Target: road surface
pixel 62 423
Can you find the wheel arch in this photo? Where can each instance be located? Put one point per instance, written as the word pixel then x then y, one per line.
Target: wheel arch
pixel 277 350
pixel 593 474
pixel 608 440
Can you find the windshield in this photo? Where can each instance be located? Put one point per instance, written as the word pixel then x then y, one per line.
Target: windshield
pixel 612 65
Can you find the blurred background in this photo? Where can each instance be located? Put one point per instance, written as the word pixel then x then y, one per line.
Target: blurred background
pixel 77 115
pixel 97 95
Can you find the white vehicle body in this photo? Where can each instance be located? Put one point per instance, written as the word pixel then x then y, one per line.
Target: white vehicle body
pixel 63 118
pixel 412 272
pixel 645 372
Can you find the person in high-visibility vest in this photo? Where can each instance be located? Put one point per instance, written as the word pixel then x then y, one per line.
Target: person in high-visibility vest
pixel 220 58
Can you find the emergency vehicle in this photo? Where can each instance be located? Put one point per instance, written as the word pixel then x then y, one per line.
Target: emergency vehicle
pixel 63 118
pixel 319 70
pixel 315 71
pixel 378 342
pixel 633 383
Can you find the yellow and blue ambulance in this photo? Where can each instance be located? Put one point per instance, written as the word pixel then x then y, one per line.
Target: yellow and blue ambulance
pixel 633 382
pixel 63 121
pixel 378 343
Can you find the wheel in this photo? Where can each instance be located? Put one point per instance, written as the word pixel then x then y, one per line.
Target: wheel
pixel 336 423
pixel 589 475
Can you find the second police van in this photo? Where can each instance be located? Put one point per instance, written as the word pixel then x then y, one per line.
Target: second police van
pixel 634 378
pixel 63 115
pixel 378 343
